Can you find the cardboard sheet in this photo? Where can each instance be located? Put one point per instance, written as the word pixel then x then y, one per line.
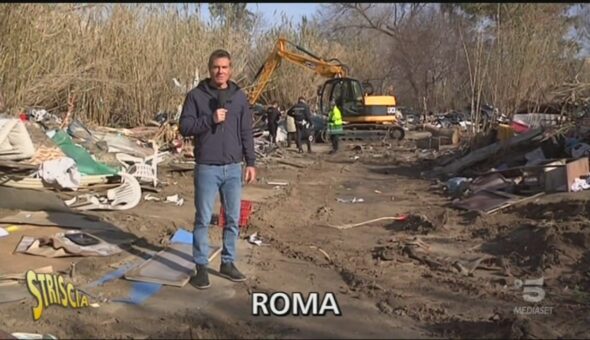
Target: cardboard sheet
pixel 172 266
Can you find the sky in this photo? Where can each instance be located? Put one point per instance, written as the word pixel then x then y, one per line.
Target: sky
pixel 270 10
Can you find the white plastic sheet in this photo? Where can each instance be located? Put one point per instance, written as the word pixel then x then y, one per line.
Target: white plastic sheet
pixel 62 171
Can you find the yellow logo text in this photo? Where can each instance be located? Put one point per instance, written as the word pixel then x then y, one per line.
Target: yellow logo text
pixel 51 289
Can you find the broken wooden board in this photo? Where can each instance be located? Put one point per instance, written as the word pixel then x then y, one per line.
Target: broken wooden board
pixel 172 266
pixel 17 165
pixel 295 164
pixel 515 201
pixel 491 201
pixel 481 154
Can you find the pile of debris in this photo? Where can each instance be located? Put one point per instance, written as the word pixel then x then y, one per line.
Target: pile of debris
pixel 520 164
pixel 95 170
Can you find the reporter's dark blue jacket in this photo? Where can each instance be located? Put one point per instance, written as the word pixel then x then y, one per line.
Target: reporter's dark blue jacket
pixel 218 144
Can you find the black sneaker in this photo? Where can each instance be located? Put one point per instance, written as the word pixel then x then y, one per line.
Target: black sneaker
pixel 201 280
pixel 228 270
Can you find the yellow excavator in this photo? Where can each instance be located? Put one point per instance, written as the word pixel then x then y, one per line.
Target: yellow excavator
pixel 365 116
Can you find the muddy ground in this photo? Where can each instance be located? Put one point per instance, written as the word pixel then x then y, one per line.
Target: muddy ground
pixel 440 273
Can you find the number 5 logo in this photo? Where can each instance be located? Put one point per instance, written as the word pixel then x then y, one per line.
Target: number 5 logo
pixel 533 289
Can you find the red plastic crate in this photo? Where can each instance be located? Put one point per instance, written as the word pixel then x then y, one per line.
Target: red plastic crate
pixel 519 127
pixel 245 211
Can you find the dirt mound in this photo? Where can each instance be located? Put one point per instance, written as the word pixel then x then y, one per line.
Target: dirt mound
pixel 541 238
pixel 556 211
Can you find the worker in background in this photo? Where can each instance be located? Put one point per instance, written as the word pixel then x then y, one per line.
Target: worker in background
pixel 335 126
pixel 302 115
pixel 291 130
pixel 273 115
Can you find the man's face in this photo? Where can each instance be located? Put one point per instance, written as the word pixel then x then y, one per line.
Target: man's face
pixel 220 71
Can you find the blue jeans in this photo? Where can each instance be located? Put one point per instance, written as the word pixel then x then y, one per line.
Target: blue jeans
pixel 210 180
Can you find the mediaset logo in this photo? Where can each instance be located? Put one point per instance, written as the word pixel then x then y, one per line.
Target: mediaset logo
pixel 532 291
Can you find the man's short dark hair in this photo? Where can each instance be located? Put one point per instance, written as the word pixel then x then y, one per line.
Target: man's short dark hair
pixel 301 99
pixel 218 54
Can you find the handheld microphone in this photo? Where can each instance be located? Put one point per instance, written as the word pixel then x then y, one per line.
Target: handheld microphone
pixel 221 102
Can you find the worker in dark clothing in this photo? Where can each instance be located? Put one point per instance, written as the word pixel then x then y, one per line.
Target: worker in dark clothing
pixel 300 112
pixel 273 115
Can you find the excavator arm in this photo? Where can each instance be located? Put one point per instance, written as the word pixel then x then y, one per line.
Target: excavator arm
pixel 327 68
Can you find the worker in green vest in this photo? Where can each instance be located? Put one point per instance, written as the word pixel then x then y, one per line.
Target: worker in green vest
pixel 335 126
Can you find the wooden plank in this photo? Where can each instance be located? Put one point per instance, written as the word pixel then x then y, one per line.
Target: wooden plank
pixel 482 201
pixel 521 168
pixel 513 202
pixel 297 165
pixel 487 151
pixel 17 165
pixel 503 194
pixel 172 266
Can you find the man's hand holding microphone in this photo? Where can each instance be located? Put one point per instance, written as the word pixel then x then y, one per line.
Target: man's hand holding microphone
pixel 219 115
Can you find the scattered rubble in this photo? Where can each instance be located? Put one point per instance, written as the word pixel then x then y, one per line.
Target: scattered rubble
pixel 103 168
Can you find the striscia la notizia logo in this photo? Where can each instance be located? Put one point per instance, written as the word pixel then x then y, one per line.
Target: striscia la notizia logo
pixel 51 289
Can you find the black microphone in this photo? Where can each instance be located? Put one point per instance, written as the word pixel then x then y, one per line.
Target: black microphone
pixel 221 102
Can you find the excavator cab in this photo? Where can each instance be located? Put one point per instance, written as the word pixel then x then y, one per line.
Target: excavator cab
pixel 347 93
pixel 365 116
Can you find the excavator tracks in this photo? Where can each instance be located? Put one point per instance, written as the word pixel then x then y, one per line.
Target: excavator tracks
pixel 378 133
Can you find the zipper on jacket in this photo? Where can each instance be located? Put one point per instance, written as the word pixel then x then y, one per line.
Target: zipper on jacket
pixel 223 135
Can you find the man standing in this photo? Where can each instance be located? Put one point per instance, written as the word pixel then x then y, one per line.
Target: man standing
pixel 291 130
pixel 335 126
pixel 217 114
pixel 300 112
pixel 272 121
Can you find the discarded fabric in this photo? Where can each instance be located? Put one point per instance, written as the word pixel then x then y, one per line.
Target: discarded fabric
pixel 62 171
pixel 580 185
